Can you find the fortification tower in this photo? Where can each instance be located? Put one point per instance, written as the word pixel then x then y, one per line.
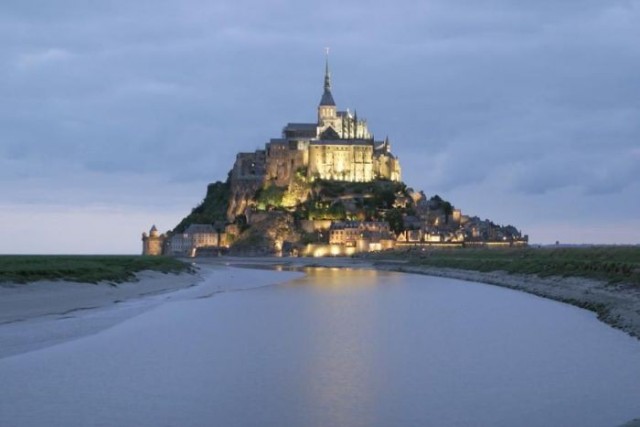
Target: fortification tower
pixel 153 242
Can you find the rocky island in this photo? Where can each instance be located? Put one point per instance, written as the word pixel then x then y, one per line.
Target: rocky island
pixel 326 188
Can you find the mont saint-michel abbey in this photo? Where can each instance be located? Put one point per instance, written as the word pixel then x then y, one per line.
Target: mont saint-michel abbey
pixel 322 188
pixel 338 146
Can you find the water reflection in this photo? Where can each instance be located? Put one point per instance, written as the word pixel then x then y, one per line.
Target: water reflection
pixel 338 347
pixel 328 278
pixel 394 349
pixel 342 375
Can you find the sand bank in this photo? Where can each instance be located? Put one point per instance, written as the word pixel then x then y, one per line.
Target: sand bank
pixel 19 302
pixel 45 313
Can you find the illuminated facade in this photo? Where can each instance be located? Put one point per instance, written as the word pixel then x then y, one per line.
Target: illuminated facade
pixel 338 146
pixel 196 236
pixel 153 242
pixel 349 232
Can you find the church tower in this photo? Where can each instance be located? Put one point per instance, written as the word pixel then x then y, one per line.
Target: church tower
pixel 327 107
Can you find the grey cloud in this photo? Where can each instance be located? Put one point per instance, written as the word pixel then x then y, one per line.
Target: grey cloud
pixel 590 173
pixel 540 94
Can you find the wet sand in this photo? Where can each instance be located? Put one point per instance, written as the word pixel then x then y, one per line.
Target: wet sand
pixel 19 302
pixel 45 313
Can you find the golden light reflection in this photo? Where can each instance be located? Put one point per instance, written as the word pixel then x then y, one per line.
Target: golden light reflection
pixel 342 342
pixel 323 250
pixel 336 278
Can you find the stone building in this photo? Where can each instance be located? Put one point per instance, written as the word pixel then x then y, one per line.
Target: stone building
pixel 344 233
pixel 196 236
pixel 338 146
pixel 153 242
pixel 349 232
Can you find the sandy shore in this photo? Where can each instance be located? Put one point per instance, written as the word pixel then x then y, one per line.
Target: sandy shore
pixel 618 306
pixel 45 313
pixel 19 302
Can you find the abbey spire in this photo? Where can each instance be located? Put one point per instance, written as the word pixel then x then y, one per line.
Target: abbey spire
pixel 327 107
pixel 327 97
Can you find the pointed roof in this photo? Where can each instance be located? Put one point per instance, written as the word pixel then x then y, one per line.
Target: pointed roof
pixel 329 134
pixel 327 97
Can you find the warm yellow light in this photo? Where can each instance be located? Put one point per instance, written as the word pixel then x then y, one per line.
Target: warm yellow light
pixel 320 252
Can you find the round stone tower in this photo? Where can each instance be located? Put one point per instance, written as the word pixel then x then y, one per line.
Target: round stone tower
pixel 152 244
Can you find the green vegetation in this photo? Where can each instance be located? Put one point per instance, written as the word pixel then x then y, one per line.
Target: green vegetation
pixel 614 264
pixel 325 210
pixel 394 218
pixel 270 197
pixel 87 269
pixel 212 208
pixel 316 237
pixel 447 210
pixel 382 192
pixel 298 190
pixel 340 200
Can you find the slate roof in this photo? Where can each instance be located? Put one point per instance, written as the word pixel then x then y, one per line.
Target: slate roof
pixel 327 99
pixel 342 142
pixel 300 130
pixel 200 228
pixel 330 134
pixel 301 126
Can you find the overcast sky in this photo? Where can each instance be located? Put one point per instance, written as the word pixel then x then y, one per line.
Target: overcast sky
pixel 114 117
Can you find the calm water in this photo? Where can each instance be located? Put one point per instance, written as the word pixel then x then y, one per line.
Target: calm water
pixel 340 348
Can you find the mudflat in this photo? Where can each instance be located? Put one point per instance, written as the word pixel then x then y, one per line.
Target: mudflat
pixel 20 302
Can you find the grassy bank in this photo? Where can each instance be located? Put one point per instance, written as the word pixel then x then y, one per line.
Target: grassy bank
pixel 78 268
pixel 614 264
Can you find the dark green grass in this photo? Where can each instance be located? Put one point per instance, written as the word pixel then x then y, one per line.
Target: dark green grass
pixel 79 268
pixel 614 264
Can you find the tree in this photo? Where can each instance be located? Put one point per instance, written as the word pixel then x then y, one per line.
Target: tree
pixel 447 210
pixel 270 196
pixel 395 220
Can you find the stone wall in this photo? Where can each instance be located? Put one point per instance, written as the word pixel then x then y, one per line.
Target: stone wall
pixel 313 225
pixel 324 249
pixel 343 162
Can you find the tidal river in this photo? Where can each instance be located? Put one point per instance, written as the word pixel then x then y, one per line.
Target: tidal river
pixel 334 347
